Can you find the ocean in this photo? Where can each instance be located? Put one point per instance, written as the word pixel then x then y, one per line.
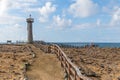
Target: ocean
pixel 77 44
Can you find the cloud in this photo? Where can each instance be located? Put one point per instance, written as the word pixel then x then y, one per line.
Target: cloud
pixel 60 22
pixel 45 11
pixel 10 24
pixel 9 19
pixel 98 22
pixel 20 4
pixel 115 21
pixel 9 5
pixel 83 8
pixel 3 7
pixel 23 5
pixel 109 7
pixel 112 10
pixel 31 1
pixel 88 25
pixel 12 32
pixel 83 26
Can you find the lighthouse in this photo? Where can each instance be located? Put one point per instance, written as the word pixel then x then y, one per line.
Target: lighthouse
pixel 29 29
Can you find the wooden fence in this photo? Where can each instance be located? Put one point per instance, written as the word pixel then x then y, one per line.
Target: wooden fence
pixel 71 70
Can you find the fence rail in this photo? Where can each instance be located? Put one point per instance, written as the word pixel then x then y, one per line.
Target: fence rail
pixel 72 71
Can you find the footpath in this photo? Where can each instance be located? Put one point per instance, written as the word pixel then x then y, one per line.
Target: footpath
pixel 45 67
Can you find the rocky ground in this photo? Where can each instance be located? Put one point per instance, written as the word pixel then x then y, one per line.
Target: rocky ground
pixel 96 63
pixel 41 66
pixel 12 61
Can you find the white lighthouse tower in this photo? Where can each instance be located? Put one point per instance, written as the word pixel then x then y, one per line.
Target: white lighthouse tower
pixel 29 29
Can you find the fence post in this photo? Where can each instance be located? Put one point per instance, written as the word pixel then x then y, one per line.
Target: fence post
pixel 75 75
pixel 58 51
pixel 67 65
pixel 69 71
pixel 61 60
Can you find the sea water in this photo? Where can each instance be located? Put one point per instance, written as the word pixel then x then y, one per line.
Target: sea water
pixel 102 45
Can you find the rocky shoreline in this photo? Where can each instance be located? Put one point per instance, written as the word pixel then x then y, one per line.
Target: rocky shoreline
pixel 96 63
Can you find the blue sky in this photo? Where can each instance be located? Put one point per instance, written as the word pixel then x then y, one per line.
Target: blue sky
pixel 61 20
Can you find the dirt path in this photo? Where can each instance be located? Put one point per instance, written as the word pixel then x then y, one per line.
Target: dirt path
pixel 45 67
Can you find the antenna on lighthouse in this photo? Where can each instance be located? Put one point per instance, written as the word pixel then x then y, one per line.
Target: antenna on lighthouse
pixel 30 16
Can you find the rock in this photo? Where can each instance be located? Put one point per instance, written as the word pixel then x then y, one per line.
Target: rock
pixel 88 72
pixel 102 66
pixel 91 74
pixel 118 78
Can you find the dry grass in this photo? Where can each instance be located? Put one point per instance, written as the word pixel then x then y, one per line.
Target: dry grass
pixel 12 59
pixel 43 67
pixel 96 63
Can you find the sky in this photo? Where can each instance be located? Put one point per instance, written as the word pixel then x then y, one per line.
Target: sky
pixel 61 20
